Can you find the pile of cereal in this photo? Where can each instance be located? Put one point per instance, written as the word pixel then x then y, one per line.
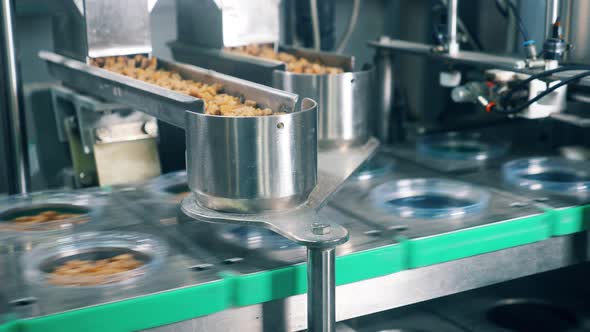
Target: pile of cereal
pixel 216 102
pixel 45 216
pixel 294 64
pixel 89 268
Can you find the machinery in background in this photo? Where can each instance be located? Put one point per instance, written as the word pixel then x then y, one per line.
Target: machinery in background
pixel 459 206
pixel 533 86
pixel 207 30
pixel 109 144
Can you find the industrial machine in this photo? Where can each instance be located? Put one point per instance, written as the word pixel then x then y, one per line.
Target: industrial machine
pixel 316 193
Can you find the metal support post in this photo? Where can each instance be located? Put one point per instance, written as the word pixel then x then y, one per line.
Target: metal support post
pixel 14 111
pixel 453 44
pixel 551 15
pixel 321 289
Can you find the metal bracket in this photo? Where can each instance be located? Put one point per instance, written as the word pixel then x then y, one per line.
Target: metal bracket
pixel 304 226
pixel 301 224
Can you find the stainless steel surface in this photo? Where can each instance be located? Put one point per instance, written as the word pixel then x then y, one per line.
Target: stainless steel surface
pixel 552 301
pixel 321 311
pixel 344 100
pixel 164 104
pixel 94 28
pixel 215 23
pixel 117 27
pixel 39 263
pixel 355 200
pixel 249 68
pixel 132 210
pixel 296 224
pixel 119 215
pixel 344 103
pixel 551 15
pixel 492 177
pixel 489 174
pixel 345 62
pixel 452 42
pixel 15 111
pixel 276 170
pixel 402 288
pixel 577 32
pixel 467 57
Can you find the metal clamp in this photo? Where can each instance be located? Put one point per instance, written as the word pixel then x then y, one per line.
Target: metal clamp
pixel 304 226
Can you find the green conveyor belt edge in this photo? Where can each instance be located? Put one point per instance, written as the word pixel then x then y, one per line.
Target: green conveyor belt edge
pixel 478 240
pixel 241 290
pixel 133 314
pixel 570 220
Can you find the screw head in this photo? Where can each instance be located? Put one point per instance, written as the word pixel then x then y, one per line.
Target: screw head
pixel 320 229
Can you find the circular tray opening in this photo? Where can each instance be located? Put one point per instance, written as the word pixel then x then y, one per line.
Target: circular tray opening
pixel 556 175
pixel 429 198
pixel 44 217
pixel 92 254
pixel 256 238
pixel 460 146
pixel 174 183
pixel 180 190
pixel 562 176
pixel 525 315
pixel 377 166
pixel 96 259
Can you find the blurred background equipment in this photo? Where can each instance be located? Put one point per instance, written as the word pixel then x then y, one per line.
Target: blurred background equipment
pixel 288 165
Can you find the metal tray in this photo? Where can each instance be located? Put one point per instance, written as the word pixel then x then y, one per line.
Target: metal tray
pixel 165 104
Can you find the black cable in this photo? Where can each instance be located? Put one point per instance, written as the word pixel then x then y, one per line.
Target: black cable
pixel 504 12
pixel 542 94
pixel 523 84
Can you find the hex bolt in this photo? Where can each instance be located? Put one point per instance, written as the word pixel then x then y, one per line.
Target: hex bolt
pixel 517 204
pixel 320 229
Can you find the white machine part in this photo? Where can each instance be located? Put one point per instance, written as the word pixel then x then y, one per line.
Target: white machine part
pixel 553 103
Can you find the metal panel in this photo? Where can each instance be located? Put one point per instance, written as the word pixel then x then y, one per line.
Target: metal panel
pixel 399 289
pixel 117 27
pixel 219 23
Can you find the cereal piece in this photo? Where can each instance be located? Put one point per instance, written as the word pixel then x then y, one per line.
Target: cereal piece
pixel 88 268
pixel 294 64
pixel 44 216
pixel 216 102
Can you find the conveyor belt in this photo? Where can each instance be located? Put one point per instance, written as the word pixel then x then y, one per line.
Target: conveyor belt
pixel 217 286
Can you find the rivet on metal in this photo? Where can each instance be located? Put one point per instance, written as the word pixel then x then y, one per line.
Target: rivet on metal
pixel 320 229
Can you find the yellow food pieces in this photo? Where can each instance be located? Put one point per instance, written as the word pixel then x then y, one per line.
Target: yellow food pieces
pixel 216 102
pixel 44 216
pixel 294 64
pixel 89 268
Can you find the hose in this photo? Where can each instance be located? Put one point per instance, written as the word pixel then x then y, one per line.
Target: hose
pixel 541 95
pixel 523 84
pixel 315 23
pixel 356 4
